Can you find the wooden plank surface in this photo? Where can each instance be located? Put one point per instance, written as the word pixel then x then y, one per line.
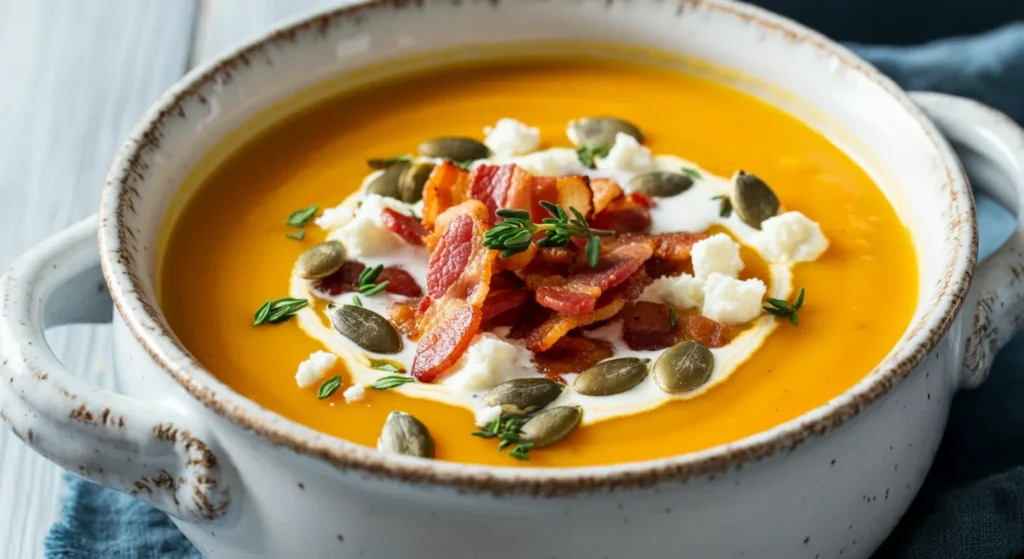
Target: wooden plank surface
pixel 75 75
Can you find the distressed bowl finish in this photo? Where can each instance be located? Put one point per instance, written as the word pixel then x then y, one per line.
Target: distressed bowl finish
pixel 243 482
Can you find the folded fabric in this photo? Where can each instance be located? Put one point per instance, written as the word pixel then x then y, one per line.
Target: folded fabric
pixel 972 505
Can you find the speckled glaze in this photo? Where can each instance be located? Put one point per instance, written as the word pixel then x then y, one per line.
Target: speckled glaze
pixel 243 482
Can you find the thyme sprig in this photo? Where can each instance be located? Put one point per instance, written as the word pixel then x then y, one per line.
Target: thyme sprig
pixel 724 205
pixel 368 277
pixel 278 310
pixel 391 381
pixel 515 233
pixel 507 432
pixel 329 387
pixel 587 152
pixel 299 218
pixel 783 309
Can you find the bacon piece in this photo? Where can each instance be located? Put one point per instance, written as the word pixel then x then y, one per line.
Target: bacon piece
pixel 519 261
pixel 605 191
pixel 647 326
pixel 554 326
pixel 447 186
pixel 501 186
pixel 671 251
pixel 623 215
pixel 571 354
pixel 471 208
pixel 403 315
pixel 399 281
pixel 567 192
pixel 704 330
pixel 445 342
pixel 579 293
pixel 506 293
pixel 641 199
pixel 458 280
pixel 405 226
pixel 345 279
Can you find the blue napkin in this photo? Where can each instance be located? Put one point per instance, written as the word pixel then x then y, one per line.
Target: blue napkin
pixel 972 505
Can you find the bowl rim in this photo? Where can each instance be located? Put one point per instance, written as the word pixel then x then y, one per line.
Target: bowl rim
pixel 145 321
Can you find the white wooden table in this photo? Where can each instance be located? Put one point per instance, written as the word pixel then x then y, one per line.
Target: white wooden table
pixel 75 75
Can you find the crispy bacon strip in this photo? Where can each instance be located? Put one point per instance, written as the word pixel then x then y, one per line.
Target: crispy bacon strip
pixel 647 326
pixel 501 186
pixel 579 293
pixel 405 226
pixel 447 186
pixel 571 354
pixel 458 280
pixel 556 325
pixel 605 191
pixel 623 215
pixel 506 293
pixel 704 330
pixel 403 315
pixel 572 191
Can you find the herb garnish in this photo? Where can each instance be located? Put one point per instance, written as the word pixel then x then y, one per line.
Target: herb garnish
pixel 391 381
pixel 587 152
pixel 672 320
pixel 357 301
pixel 329 387
pixel 464 164
pixel 385 365
pixel 366 279
pixel 378 163
pixel 507 431
pixel 724 205
pixel 783 309
pixel 280 310
pixel 693 173
pixel 516 232
pixel 297 236
pixel 300 218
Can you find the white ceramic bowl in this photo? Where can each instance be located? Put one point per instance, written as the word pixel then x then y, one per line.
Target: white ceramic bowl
pixel 241 481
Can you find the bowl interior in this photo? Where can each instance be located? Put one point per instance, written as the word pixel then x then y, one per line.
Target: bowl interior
pixel 226 102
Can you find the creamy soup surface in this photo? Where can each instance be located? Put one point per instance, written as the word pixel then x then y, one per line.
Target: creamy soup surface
pixel 231 250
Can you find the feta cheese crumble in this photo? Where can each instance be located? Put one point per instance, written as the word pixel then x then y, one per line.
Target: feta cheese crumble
pixel 365 234
pixel 511 137
pixel 333 218
pixel 716 254
pixel 790 237
pixel 490 361
pixel 313 369
pixel 354 393
pixel 732 301
pixel 626 155
pixel 682 292
pixel 486 416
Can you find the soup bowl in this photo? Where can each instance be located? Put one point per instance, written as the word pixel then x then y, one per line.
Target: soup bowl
pixel 241 481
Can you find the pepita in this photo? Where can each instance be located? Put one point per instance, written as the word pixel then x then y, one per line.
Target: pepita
pixel 321 261
pixel 404 434
pixel 614 376
pixel 601 131
pixel 365 328
pixel 660 184
pixel 683 367
pixel 752 199
pixel 523 395
pixel 454 149
pixel 386 183
pixel 550 426
pixel 410 184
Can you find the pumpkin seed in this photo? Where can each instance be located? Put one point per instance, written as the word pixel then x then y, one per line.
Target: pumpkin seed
pixel 601 131
pixel 550 426
pixel 683 367
pixel 454 149
pixel 614 376
pixel 410 184
pixel 321 261
pixel 404 434
pixel 523 395
pixel 661 184
pixel 752 200
pixel 386 184
pixel 365 328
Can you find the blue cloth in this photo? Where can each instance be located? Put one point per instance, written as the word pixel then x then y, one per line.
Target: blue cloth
pixel 972 505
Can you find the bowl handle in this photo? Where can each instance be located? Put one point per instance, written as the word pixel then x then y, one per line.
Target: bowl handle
pixel 991 148
pixel 148 451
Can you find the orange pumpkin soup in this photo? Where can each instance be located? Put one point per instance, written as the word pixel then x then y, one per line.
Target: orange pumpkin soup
pixel 230 251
